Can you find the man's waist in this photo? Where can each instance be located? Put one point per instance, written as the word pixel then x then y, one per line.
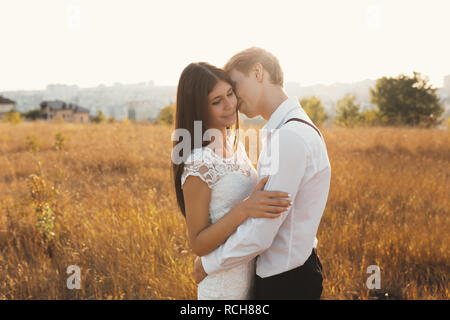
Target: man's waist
pixel 265 269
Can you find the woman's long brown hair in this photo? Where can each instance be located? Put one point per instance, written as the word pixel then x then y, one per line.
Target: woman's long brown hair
pixel 196 82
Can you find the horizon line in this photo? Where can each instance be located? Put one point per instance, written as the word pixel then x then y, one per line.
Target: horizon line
pixel 175 85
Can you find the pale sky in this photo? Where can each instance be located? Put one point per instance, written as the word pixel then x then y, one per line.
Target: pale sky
pixel 92 42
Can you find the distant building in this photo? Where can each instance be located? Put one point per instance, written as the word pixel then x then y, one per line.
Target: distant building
pixel 446 88
pixel 139 110
pixel 447 82
pixel 6 106
pixel 68 111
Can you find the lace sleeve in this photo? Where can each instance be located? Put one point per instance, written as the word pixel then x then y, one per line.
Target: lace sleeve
pixel 200 164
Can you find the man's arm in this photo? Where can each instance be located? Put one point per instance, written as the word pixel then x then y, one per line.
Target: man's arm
pixel 256 235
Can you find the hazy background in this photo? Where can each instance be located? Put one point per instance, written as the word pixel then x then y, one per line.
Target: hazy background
pixel 87 43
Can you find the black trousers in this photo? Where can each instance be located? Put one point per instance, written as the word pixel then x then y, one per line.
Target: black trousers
pixel 301 283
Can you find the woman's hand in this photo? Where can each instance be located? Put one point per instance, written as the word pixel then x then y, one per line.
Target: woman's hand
pixel 199 272
pixel 263 204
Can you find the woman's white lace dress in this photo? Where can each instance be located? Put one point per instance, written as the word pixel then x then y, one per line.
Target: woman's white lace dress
pixel 231 180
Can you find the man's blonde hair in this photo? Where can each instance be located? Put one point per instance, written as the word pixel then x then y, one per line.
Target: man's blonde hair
pixel 243 62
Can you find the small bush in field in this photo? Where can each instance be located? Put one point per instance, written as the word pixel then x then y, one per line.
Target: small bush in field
pixel 13 117
pixel 41 194
pixel 59 143
pixel 31 143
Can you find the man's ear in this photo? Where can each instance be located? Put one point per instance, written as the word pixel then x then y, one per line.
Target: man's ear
pixel 258 69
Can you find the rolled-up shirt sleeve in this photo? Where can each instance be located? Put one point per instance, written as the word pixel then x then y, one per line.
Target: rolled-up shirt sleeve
pixel 255 235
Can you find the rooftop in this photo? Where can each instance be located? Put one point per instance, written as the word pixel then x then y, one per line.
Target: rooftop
pixel 61 105
pixel 4 100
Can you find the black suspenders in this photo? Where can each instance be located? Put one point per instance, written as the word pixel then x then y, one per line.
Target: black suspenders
pixel 305 122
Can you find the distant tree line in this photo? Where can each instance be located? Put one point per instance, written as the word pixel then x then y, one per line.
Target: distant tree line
pixel 36 114
pixel 399 101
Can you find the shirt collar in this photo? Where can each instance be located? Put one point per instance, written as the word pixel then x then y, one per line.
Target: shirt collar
pixel 280 113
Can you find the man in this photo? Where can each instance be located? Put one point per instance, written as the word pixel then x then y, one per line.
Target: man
pixel 287 266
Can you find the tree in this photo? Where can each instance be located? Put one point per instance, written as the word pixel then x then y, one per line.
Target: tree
pixel 99 118
pixel 167 115
pixel 372 117
pixel 347 112
pixel 314 109
pixel 407 100
pixel 33 114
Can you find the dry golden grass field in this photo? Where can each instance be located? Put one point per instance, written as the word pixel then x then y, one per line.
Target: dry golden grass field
pixel 109 189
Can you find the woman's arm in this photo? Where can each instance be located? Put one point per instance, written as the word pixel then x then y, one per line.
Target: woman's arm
pixel 204 238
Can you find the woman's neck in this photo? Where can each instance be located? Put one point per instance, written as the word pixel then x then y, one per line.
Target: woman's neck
pixel 220 146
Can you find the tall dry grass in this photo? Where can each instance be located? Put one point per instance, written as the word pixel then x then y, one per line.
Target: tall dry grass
pixel 110 191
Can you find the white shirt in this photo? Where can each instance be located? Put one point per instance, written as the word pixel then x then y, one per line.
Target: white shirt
pixel 303 170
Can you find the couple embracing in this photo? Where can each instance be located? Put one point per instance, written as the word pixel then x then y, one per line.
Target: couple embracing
pixel 254 231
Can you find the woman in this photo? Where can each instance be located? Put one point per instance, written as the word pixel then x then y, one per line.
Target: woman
pixel 216 184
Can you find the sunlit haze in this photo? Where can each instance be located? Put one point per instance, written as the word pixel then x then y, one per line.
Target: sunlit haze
pixel 87 43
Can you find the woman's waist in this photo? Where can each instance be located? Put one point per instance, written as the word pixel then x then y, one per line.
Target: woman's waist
pixel 248 267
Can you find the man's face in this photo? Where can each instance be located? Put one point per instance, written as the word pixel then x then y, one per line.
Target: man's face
pixel 248 91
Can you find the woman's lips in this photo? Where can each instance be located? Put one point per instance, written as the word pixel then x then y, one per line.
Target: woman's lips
pixel 230 116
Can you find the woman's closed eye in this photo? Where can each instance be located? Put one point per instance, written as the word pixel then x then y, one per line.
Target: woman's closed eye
pixel 218 101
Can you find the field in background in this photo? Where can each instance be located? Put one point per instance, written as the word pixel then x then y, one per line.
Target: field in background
pixel 110 191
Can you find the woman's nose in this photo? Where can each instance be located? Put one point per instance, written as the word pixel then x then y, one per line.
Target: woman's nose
pixel 229 103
